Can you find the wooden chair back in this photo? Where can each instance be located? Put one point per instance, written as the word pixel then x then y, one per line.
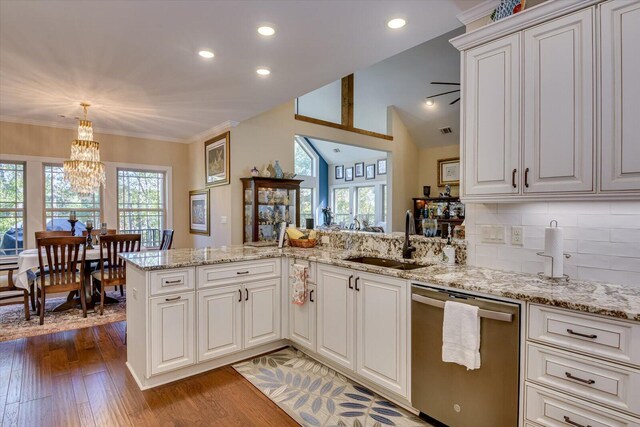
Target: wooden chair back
pixel 112 267
pixel 9 268
pixel 167 240
pixel 65 258
pixel 96 232
pixel 59 233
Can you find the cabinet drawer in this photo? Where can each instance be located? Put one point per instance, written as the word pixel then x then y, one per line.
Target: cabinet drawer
pixel 234 272
pixel 552 409
pixel 592 379
pixel 171 281
pixel 311 266
pixel 595 336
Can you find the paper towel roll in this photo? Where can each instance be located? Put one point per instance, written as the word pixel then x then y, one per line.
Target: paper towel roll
pixel 553 247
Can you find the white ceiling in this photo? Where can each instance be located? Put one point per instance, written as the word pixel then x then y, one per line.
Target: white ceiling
pixel 137 62
pixel 404 81
pixel 347 153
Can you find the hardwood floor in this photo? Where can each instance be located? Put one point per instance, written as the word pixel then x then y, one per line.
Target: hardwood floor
pixel 79 378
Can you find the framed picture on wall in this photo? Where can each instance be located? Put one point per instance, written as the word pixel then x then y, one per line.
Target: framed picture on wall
pixel 348 174
pixel 449 171
pixel 199 212
pixel 371 172
pixel 340 172
pixel 216 160
pixel 359 170
pixel 382 167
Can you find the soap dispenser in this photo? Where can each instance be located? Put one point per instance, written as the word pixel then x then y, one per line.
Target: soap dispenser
pixel 449 252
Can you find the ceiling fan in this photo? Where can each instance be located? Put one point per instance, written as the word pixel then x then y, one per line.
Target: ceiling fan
pixel 430 98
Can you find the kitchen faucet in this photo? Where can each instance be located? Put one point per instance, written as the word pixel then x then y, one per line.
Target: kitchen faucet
pixel 407 249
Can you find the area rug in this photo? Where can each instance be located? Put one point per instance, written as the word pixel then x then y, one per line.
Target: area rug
pixel 315 395
pixel 14 326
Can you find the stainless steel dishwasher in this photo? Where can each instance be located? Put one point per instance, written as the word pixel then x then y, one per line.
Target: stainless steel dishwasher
pixel 447 392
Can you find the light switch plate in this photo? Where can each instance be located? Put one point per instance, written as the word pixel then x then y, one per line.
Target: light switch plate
pixel 492 233
pixel 517 235
pixel 223 220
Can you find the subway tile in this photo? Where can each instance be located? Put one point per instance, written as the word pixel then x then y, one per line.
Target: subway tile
pixel 591 260
pixel 564 220
pixel 532 267
pixel 626 264
pixel 596 220
pixel 587 233
pixel 570 246
pixel 611 276
pixel 618 208
pixel 533 231
pixel 625 221
pixel 580 207
pixel 536 243
pixel 486 250
pixel 625 235
pixel 527 207
pixel 592 247
pixel 535 219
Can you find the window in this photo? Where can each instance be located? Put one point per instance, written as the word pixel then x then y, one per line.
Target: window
pixel 60 200
pixel 12 209
pixel 142 204
pixel 303 160
pixel 306 205
pixel 342 206
pixel 366 205
pixel 384 203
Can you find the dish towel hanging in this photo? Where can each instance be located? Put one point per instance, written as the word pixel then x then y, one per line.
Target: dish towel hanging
pixel 461 335
pixel 298 280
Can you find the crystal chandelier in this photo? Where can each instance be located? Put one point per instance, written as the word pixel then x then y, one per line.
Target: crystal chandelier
pixel 84 170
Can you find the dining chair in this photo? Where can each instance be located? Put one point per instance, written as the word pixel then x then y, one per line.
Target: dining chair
pixel 33 277
pixel 10 291
pixel 63 273
pixel 96 232
pixel 112 268
pixel 167 240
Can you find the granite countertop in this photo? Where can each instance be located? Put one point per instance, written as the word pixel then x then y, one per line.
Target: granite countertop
pixel 618 301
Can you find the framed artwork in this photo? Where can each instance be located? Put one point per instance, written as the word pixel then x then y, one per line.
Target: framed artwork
pixel 348 174
pixel 216 160
pixel 340 172
pixel 382 167
pixel 449 171
pixel 359 170
pixel 199 212
pixel 371 172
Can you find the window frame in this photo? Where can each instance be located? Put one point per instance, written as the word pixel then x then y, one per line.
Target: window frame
pixel 165 197
pixel 309 181
pixel 24 208
pixel 376 195
pixel 44 198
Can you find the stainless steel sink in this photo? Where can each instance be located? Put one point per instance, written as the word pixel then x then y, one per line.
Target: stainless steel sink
pixel 388 263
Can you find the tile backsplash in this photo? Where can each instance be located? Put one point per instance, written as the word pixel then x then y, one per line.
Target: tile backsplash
pixel 603 238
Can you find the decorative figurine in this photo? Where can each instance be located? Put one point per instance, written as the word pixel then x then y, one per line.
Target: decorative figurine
pixel 272 171
pixel 426 190
pixel 255 171
pixel 278 170
pixel 266 173
pixel 89 228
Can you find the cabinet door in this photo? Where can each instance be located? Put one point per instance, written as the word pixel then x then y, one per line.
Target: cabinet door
pixel 559 105
pixel 261 312
pixel 172 332
pixel 336 315
pixel 382 331
pixel 491 117
pixel 620 56
pixel 219 322
pixel 302 321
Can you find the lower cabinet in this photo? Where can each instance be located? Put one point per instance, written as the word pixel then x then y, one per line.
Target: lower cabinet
pixel 362 325
pixel 172 332
pixel 302 321
pixel 219 322
pixel 261 312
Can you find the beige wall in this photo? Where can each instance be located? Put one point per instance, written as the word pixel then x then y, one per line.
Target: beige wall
pixel 43 141
pixel 269 137
pixel 428 169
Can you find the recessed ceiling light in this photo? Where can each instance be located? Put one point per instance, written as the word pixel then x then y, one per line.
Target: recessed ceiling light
pixel 206 54
pixel 396 23
pixel 266 31
pixel 263 71
pixel 430 102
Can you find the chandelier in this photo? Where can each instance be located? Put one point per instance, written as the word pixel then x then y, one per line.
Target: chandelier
pixel 84 171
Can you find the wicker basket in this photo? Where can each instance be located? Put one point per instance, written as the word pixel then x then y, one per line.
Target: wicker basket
pixel 303 243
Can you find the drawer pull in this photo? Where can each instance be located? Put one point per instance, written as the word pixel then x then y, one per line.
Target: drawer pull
pixel 172 282
pixel 240 297
pixel 172 299
pixel 350 285
pixel 243 272
pixel 571 377
pixel 311 296
pixel 591 336
pixel 573 423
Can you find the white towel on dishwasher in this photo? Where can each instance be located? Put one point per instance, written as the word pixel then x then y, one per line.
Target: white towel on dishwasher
pixel 461 334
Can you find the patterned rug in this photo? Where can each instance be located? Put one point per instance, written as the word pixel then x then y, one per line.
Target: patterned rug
pixel 315 395
pixel 14 326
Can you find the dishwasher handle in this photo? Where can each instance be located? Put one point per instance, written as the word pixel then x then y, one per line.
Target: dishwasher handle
pixel 487 314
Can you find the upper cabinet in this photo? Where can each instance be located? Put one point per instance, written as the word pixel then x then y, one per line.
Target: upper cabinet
pixel 531 88
pixel 620 71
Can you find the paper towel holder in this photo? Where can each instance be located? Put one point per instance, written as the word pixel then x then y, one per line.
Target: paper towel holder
pixel 541 275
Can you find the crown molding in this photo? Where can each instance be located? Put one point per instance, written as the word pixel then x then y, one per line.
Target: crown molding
pixel 104 131
pixel 478 11
pixel 214 131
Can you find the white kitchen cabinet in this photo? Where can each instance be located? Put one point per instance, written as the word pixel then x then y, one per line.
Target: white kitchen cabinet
pixel 336 315
pixel 302 320
pixel 172 332
pixel 261 312
pixel 620 96
pixel 219 321
pixel 382 331
pixel 491 117
pixel 559 105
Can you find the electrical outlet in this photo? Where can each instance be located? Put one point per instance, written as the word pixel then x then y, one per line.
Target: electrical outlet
pixel 517 235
